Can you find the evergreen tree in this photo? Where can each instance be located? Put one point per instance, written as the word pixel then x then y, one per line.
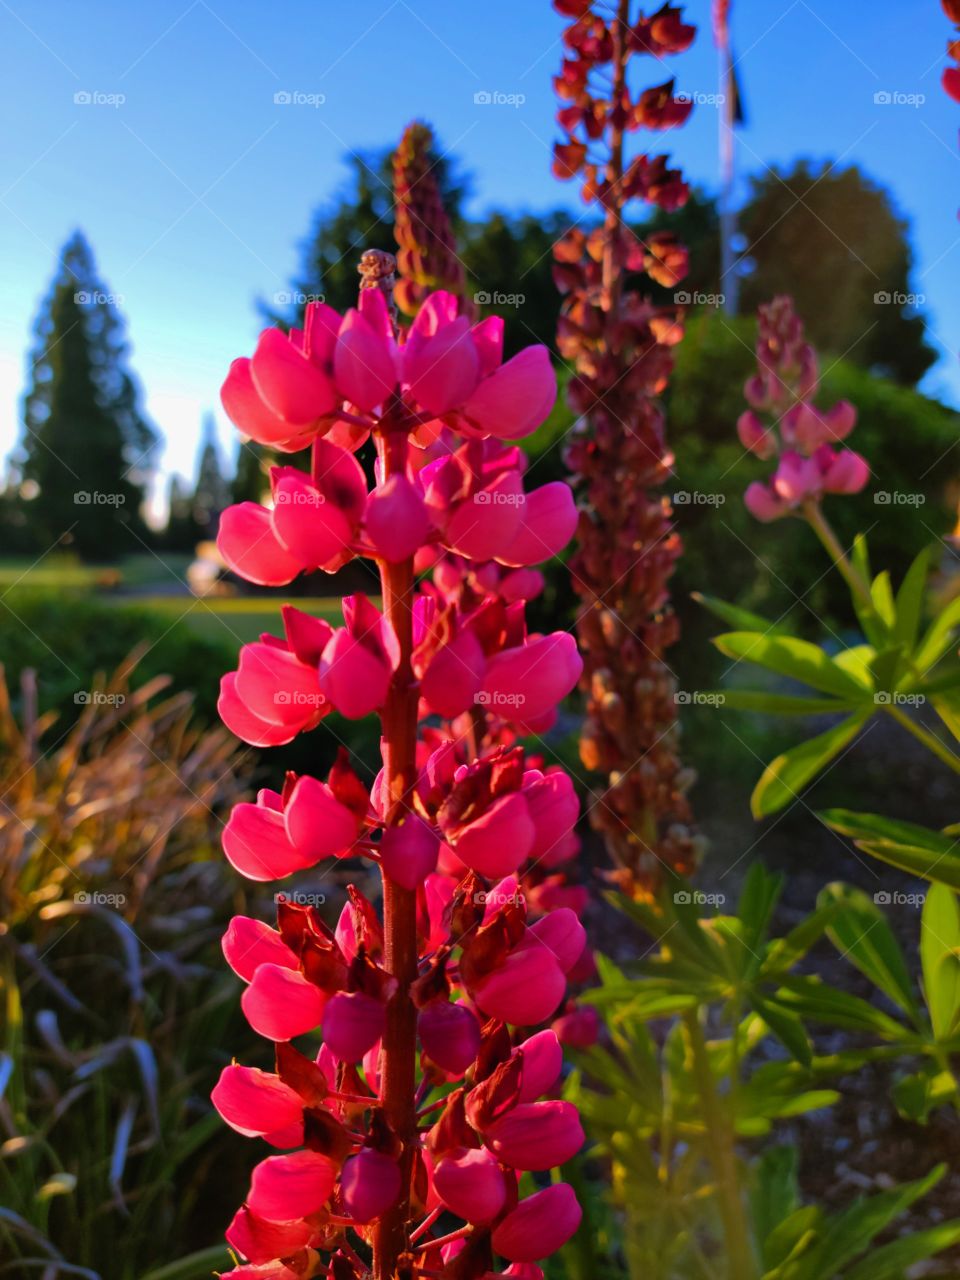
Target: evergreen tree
pixel 180 533
pixel 250 478
pixel 87 445
pixel 212 493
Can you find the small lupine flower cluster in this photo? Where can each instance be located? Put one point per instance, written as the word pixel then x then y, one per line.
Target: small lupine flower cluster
pixel 784 423
pixel 951 75
pixel 377 1173
pixel 621 347
pixel 427 255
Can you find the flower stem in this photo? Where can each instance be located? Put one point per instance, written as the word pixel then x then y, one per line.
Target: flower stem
pixel 398 1057
pixel 824 530
pixel 741 1264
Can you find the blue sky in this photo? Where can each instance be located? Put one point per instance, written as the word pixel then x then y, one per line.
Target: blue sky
pixel 195 186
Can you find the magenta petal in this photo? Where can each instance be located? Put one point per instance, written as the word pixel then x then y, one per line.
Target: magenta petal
pixel 483 525
pixel 488 339
pixel 539 1225
pixel 526 989
pixel 496 842
pixel 542 1063
pixel 454 675
pixel 239 719
pixel 517 397
pixel 316 822
pixel 554 808
pixel 548 520
pixel 313 530
pixel 256 844
pixel 277 687
pixel 409 852
pixel 450 1035
pixel 562 934
pixel 248 543
pixel 249 943
pixel 471 1185
pixel 443 371
pixel 396 519
pixel 290 384
pixel 536 1135
pixel 363 363
pixel 260 1241
pixel 352 1023
pixel 763 504
pixel 248 412
pixel 255 1102
pixel 369 1183
pixel 284 1188
pixel 354 679
pixel 280 1003
pixel 526 682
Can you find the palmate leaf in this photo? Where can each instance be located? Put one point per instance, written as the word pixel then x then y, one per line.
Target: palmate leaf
pixel 938 638
pixel 891 1261
pixel 940 959
pixel 741 619
pixel 795 659
pixel 781 704
pixel 909 602
pixel 931 855
pixel 786 776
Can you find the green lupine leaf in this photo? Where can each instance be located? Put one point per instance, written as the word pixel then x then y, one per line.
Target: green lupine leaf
pixel 786 776
pixel 909 602
pixel 862 935
pixel 796 659
pixel 940 959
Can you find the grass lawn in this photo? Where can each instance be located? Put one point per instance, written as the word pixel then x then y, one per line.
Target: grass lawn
pixel 230 618
pixel 60 571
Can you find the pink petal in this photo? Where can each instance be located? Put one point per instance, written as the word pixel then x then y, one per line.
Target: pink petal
pixel 261 1241
pixel 450 1035
pixel 363 363
pixel 554 807
pixel 396 519
pixel 485 524
pixel 370 1184
pixel 312 529
pixel 496 842
pixel 529 680
pixel 256 1102
pixel 548 521
pixel 249 943
pixel 453 678
pixel 517 397
pixel 250 547
pixel 409 852
pixel 763 504
pixel 443 371
pixel 526 989
pixel 316 822
pixel 280 1003
pixel 290 384
pixel 352 1023
pixel 239 719
pixel 284 1188
pixel 536 1135
pixel 542 1064
pixel 354 679
pixel 277 687
pixel 562 934
pixel 539 1225
pixel 471 1185
pixel 248 412
pixel 256 844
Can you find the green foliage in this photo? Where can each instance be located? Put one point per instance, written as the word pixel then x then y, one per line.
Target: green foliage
pixel 671 1112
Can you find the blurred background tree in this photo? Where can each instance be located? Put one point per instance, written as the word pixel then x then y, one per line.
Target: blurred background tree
pixel 85 432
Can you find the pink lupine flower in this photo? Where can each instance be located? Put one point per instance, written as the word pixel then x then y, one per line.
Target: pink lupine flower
pixel 561 933
pixel 257 1103
pixel 248 943
pixel 754 436
pixel 352 1024
pixel 283 1188
pixel 578 1027
pixel 527 682
pixel 548 519
pixel 539 1225
pixel 498 840
pixel 408 852
pixel 515 399
pixel 262 1241
pixel 281 1003
pixel 364 363
pixel 524 990
pixel 450 1035
pixel 442 371
pixel 288 373
pixel 470 1184
pixel 396 520
pixel 554 807
pixel 452 679
pixel 317 824
pixel 369 1184
pixel 359 660
pixel 536 1135
pixel 542 1061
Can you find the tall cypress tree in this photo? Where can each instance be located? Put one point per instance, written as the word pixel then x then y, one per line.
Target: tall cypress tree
pixel 212 493
pixel 87 444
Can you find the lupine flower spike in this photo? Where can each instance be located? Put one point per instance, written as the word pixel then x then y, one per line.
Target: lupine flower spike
pixel 620 344
pixel 411 1085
